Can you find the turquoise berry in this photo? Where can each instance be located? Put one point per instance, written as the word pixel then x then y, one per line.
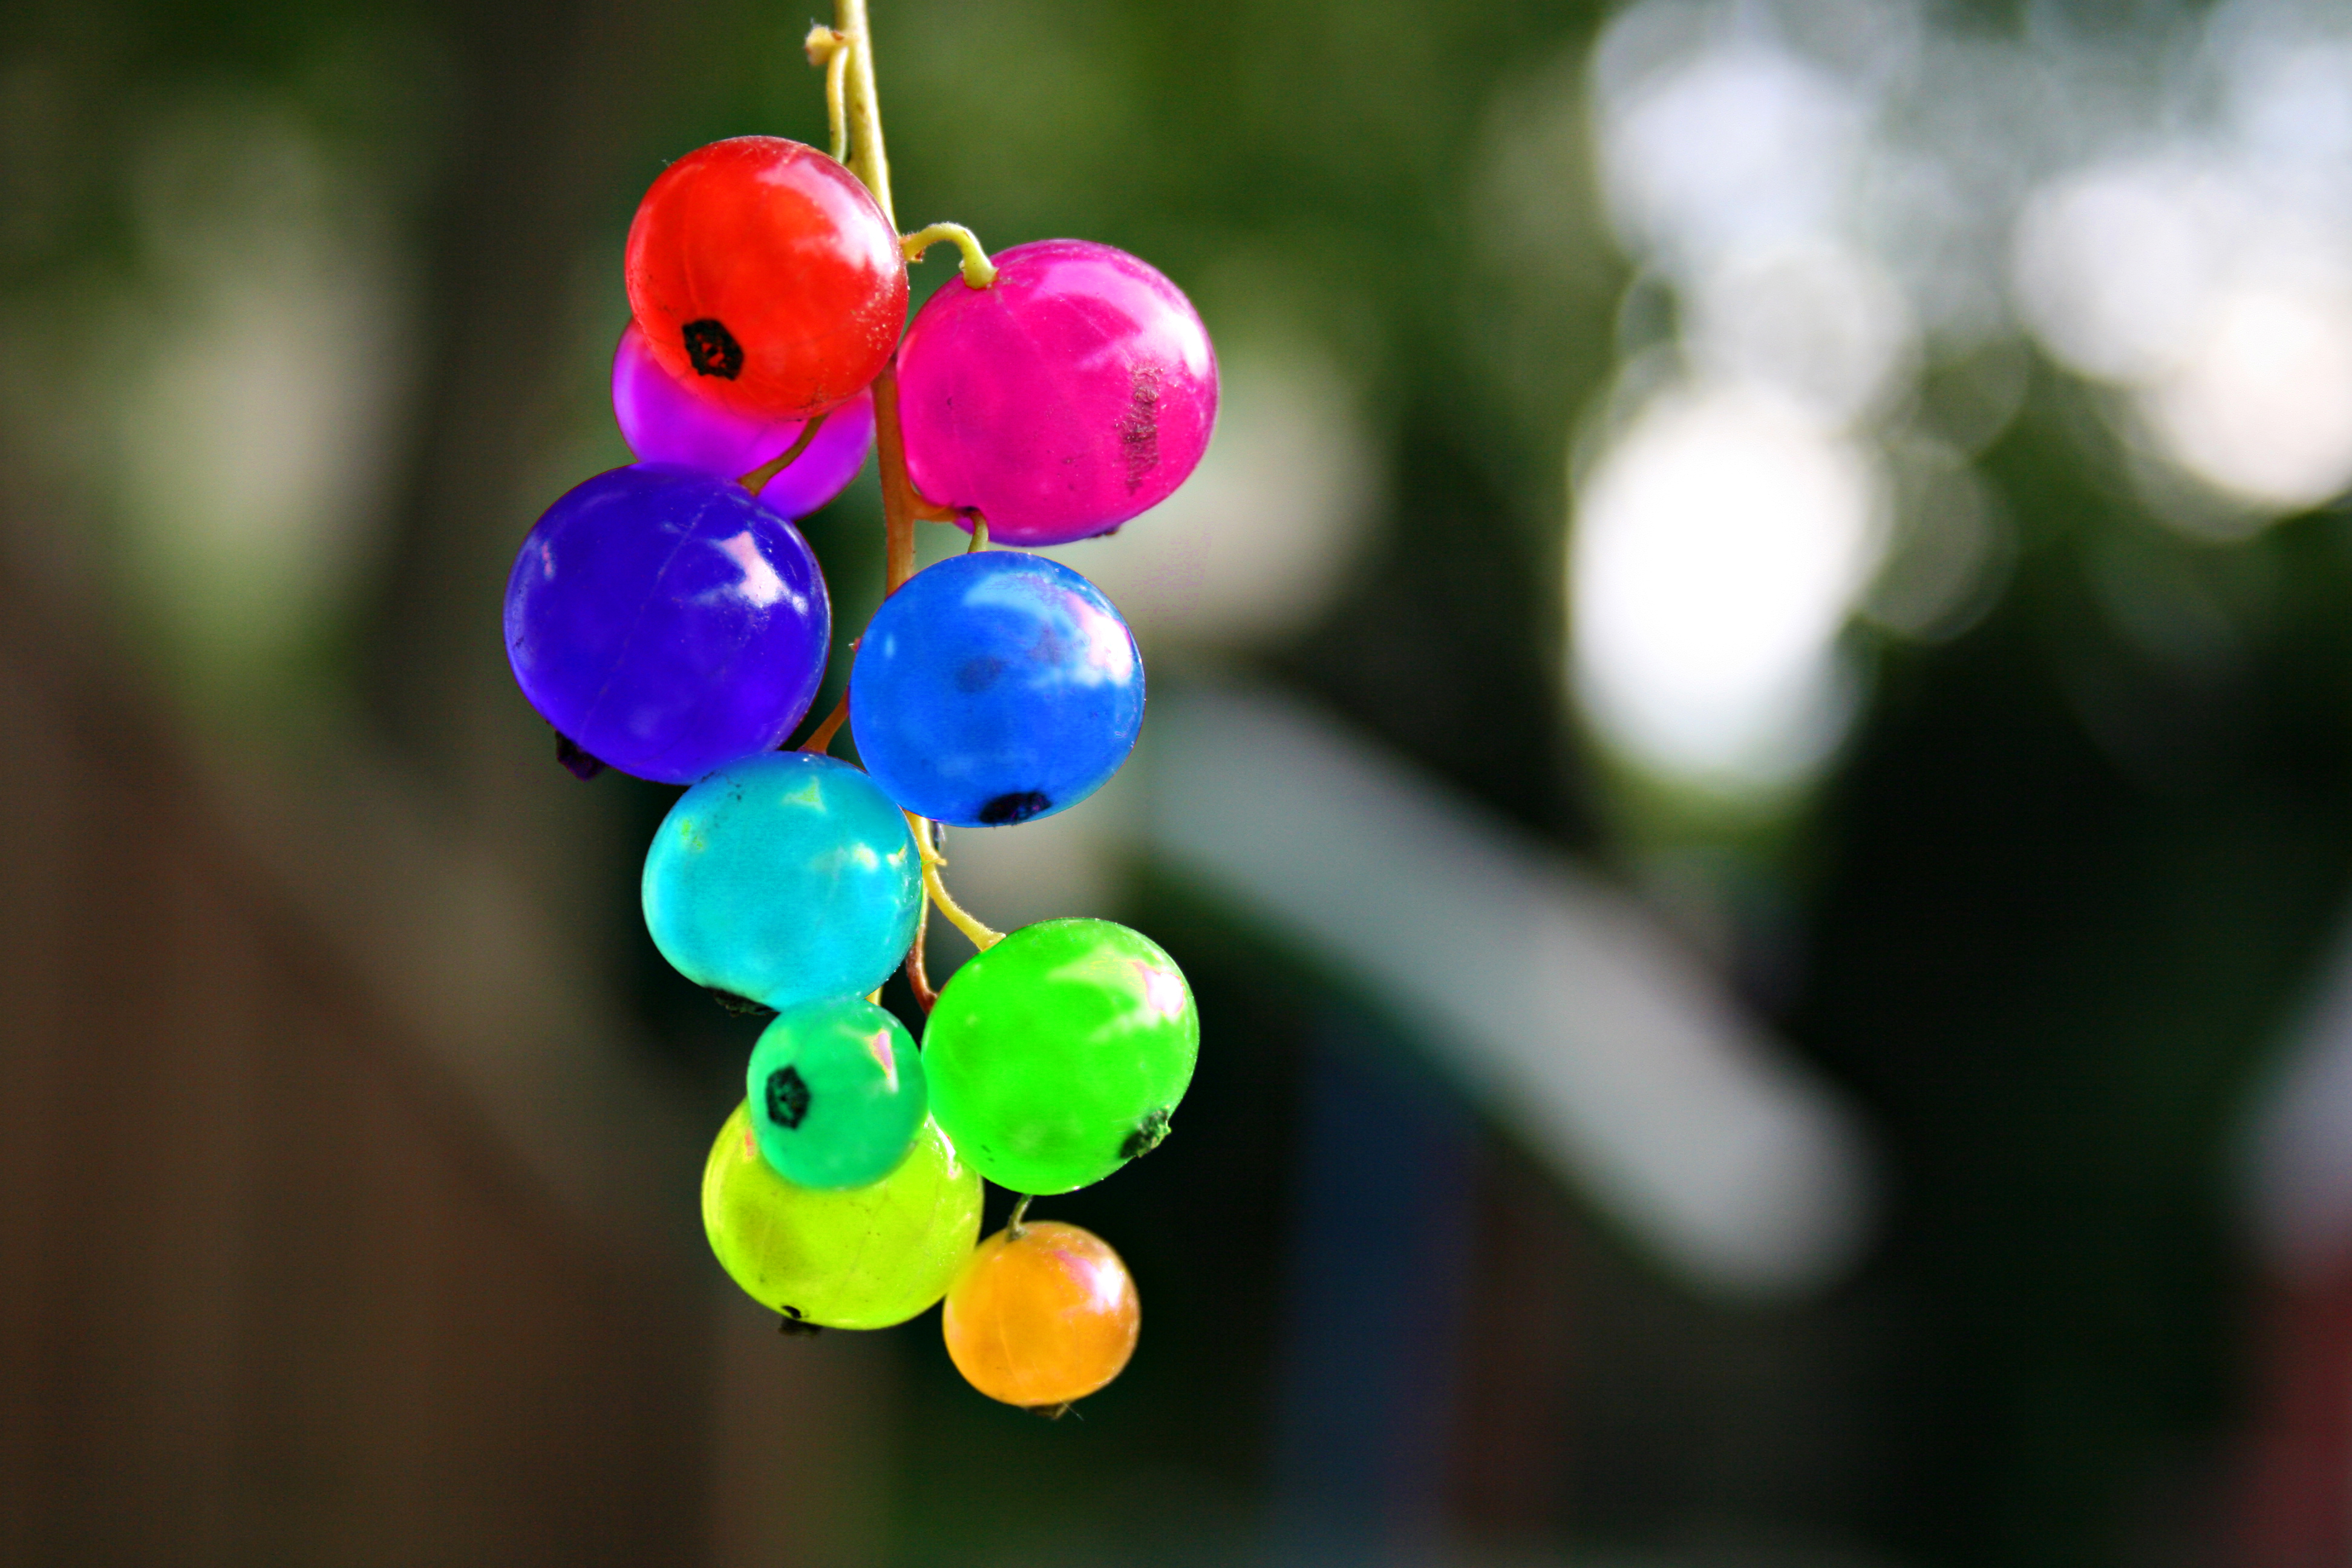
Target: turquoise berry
pixel 1059 1054
pixel 836 1093
pixel 781 879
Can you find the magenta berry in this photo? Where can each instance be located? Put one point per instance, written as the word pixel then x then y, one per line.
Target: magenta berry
pixel 1076 393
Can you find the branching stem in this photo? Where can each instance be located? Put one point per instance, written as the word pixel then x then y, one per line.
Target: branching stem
pixel 979 271
pixel 820 739
pixel 757 479
pixel 983 937
pixel 918 973
pixel 870 162
pixel 829 47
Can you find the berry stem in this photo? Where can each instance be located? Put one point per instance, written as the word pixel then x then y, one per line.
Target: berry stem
pixel 1013 1229
pixel 820 739
pixel 868 159
pixel 979 271
pixel 918 974
pixel 900 504
pixel 982 936
pixel 829 47
pixel 757 478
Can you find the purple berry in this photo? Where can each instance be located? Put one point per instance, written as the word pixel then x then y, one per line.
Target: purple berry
pixel 664 420
pixel 828 464
pixel 666 623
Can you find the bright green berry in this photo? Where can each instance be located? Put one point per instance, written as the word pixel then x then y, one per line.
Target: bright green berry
pixel 835 1093
pixel 861 1257
pixel 1059 1054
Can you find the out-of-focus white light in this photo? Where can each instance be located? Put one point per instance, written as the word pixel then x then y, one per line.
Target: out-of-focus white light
pixel 1818 323
pixel 2260 406
pixel 251 426
pixel 1745 146
pixel 2115 266
pixel 1718 548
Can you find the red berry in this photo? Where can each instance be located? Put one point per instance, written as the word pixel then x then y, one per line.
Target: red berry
pixel 764 273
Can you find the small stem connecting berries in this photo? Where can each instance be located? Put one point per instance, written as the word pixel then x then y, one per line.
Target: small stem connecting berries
pixel 979 271
pixel 983 937
pixel 757 479
pixel 829 47
pixel 867 157
pixel 852 38
pixel 820 739
pixel 918 973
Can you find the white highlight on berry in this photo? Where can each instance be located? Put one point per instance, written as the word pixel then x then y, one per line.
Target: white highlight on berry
pixel 760 585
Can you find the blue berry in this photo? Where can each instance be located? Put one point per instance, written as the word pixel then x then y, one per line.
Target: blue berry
pixel 993 688
pixel 782 879
pixel 664 622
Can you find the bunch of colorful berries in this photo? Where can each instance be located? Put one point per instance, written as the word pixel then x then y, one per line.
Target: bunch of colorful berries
pixel 670 622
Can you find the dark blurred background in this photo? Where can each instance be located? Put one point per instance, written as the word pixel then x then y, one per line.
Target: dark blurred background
pixel 1752 761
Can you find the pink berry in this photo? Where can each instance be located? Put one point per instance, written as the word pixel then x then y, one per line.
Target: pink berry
pixel 1075 394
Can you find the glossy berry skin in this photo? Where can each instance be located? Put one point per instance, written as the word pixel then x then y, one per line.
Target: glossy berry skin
pixel 764 271
pixel 1076 393
pixel 826 464
pixel 860 1257
pixel 1043 1317
pixel 836 1091
pixel 665 622
pixel 782 879
pixel 1060 1053
pixel 666 420
pixel 995 687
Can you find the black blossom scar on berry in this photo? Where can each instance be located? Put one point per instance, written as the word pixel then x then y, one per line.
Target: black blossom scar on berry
pixel 1147 1136
pixel 788 1097
pixel 1013 805
pixel 712 350
pixel 579 763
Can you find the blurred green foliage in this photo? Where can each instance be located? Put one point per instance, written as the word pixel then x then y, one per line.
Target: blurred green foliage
pixel 2048 924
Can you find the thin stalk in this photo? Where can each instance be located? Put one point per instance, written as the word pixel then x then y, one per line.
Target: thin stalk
pixel 820 738
pixel 979 271
pixel 870 162
pixel 757 478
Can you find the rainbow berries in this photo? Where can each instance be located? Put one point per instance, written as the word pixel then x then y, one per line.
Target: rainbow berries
pixel 994 688
pixel 1060 1054
pixel 1074 393
pixel 672 624
pixel 764 271
pixel 664 622
pixel 1043 1314
pixel 781 879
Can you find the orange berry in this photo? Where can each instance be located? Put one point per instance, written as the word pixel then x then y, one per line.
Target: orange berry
pixel 1041 1317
